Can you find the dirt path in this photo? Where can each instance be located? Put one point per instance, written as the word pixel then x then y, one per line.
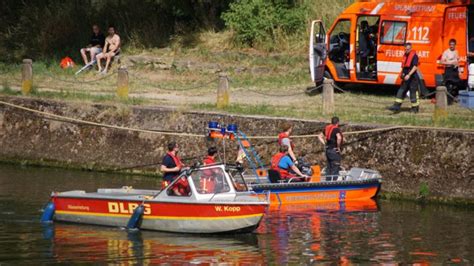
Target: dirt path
pixel 236 96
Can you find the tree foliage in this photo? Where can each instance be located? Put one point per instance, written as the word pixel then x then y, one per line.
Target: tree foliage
pixel 50 29
pixel 257 21
pixel 45 29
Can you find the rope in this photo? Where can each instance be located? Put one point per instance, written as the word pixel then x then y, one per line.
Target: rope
pixel 356 95
pixel 148 82
pixel 80 121
pixel 451 96
pixel 55 77
pixel 3 72
pixel 286 95
pixel 429 94
pixel 345 133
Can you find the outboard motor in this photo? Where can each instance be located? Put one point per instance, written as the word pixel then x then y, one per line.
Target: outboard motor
pixel 304 167
pixel 48 213
pixel 136 218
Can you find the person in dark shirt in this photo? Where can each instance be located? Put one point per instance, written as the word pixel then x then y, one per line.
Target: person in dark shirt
pixel 95 45
pixel 171 164
pixel 364 49
pixel 332 139
pixel 470 52
pixel 211 156
pixel 410 81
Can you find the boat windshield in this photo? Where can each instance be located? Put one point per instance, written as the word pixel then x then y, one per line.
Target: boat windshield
pixel 210 180
pixel 238 179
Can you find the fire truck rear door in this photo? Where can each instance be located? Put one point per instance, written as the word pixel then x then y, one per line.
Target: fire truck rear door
pixel 317 50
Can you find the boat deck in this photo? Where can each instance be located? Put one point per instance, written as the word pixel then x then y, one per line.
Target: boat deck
pixel 123 193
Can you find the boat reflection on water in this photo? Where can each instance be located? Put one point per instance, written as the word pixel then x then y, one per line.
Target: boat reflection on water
pixel 303 233
pixel 311 233
pixel 79 243
pixel 350 206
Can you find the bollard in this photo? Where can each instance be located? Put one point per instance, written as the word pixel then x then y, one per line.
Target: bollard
pixel 441 111
pixel 223 91
pixel 328 96
pixel 122 83
pixel 27 76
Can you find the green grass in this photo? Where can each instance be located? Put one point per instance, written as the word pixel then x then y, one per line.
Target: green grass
pixel 347 114
pixel 7 90
pixel 286 73
pixel 88 97
pixel 76 96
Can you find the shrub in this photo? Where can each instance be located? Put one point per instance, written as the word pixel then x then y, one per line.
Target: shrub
pixel 259 21
pixel 423 191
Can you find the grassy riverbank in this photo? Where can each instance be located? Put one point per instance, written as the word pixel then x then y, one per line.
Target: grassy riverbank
pixel 260 84
pixel 263 83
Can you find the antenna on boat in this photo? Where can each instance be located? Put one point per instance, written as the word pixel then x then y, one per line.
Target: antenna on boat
pixel 223 144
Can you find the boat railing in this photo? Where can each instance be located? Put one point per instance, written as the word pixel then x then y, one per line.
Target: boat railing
pixel 352 175
pixel 243 197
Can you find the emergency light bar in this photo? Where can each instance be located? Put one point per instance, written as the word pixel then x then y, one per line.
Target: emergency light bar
pixel 216 130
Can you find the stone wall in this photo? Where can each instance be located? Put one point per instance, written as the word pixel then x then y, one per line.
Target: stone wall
pixel 406 158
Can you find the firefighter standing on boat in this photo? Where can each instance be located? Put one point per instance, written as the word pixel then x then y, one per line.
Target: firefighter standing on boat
pixel 332 139
pixel 410 81
pixel 171 165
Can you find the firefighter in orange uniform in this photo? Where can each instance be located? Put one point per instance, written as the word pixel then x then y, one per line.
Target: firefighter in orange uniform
pixel 332 139
pixel 282 163
pixel 181 187
pixel 171 165
pixel 410 81
pixel 208 180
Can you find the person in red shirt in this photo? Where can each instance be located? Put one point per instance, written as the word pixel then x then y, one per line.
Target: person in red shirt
pixel 181 187
pixel 284 140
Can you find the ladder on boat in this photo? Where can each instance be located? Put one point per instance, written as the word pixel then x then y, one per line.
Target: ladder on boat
pixel 231 132
pixel 254 160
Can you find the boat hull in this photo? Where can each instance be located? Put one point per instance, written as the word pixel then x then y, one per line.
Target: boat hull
pixel 321 192
pixel 161 216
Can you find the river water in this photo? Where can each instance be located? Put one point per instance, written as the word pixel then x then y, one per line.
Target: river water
pixel 366 233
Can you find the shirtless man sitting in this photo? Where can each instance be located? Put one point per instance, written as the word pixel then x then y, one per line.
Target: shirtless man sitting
pixel 111 49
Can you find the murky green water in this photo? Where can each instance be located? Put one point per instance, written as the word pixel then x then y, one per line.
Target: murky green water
pixel 390 232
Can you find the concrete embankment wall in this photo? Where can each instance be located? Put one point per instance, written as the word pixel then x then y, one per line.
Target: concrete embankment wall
pixel 407 158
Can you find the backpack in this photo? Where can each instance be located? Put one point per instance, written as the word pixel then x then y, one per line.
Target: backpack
pixel 66 62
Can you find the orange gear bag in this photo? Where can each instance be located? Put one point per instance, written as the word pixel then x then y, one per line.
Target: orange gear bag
pixel 66 62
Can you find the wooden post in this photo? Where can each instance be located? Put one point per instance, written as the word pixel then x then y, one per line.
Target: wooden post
pixel 223 91
pixel 441 111
pixel 27 76
pixel 122 83
pixel 328 96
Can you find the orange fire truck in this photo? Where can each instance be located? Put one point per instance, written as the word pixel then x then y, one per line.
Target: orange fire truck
pixel 365 44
